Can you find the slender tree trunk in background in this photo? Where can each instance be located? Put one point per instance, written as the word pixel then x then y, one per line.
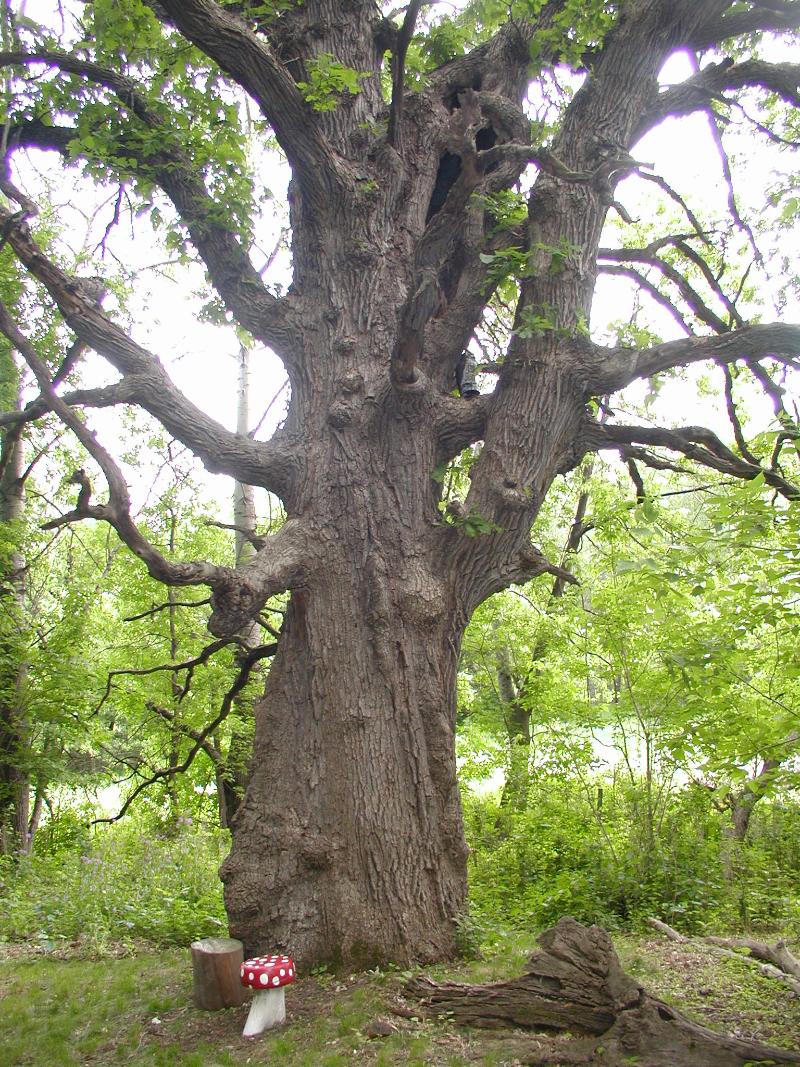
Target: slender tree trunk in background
pixel 517 698
pixel 517 717
pixel 741 806
pixel 15 822
pixel 234 776
pixel 175 735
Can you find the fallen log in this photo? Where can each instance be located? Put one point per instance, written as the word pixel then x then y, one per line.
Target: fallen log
pixel 778 954
pixel 575 983
pixel 717 945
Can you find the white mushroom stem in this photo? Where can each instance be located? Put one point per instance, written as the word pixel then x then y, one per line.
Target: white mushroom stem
pixel 268 1009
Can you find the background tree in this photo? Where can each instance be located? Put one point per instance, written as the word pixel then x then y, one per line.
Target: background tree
pixel 349 845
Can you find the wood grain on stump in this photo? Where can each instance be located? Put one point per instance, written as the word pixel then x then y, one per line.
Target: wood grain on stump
pixel 216 963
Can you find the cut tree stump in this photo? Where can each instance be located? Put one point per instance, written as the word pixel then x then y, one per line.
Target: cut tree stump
pixel 575 983
pixel 216 973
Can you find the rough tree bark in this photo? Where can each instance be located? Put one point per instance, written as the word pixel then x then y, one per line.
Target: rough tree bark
pixel 575 983
pixel 348 845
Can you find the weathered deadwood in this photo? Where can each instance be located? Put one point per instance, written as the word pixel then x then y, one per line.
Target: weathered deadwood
pixel 718 945
pixel 215 973
pixel 575 983
pixel 778 954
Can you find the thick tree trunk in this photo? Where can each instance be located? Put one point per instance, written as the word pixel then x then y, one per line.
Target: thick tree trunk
pixel 348 846
pixel 575 983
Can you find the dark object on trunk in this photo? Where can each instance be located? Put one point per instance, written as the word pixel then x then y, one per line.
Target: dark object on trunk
pixel 575 983
pixel 465 375
pixel 216 973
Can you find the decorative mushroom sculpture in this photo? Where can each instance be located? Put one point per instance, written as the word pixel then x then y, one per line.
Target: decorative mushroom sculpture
pixel 267 975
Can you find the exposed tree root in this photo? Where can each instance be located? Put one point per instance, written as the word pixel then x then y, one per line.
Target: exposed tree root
pixel 575 983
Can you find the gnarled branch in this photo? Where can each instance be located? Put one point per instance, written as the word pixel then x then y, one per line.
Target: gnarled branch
pixel 696 443
pixel 247 58
pixel 229 266
pixel 270 465
pixel 614 368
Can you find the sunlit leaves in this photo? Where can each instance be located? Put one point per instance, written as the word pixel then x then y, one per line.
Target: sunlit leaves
pixel 328 81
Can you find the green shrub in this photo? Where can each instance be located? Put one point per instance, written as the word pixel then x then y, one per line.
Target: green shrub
pixel 124 886
pixel 559 856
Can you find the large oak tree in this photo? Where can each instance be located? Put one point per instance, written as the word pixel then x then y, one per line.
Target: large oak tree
pixel 349 845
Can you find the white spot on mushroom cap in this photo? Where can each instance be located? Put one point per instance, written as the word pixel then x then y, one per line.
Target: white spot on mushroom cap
pixel 263 979
pixel 276 980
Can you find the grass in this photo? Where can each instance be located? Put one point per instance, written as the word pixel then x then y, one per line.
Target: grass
pixel 136 1009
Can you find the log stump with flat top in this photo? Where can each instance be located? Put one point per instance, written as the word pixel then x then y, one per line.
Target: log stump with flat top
pixel 575 985
pixel 216 973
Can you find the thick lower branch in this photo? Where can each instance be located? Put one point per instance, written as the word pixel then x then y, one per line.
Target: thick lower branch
pixel 612 369
pixel 271 465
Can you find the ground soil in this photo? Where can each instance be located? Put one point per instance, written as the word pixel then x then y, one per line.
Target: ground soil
pixel 337 1019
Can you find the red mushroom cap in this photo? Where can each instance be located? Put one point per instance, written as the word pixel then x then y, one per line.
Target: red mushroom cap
pixel 267 972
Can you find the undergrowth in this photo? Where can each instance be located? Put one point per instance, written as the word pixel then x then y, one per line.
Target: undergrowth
pixel 120 886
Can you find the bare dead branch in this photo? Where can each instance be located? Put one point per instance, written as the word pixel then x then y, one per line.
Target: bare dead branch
pixel 778 954
pixel 767 969
pixel 252 657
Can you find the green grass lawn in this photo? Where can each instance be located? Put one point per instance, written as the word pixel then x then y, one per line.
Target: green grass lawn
pixel 136 1009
